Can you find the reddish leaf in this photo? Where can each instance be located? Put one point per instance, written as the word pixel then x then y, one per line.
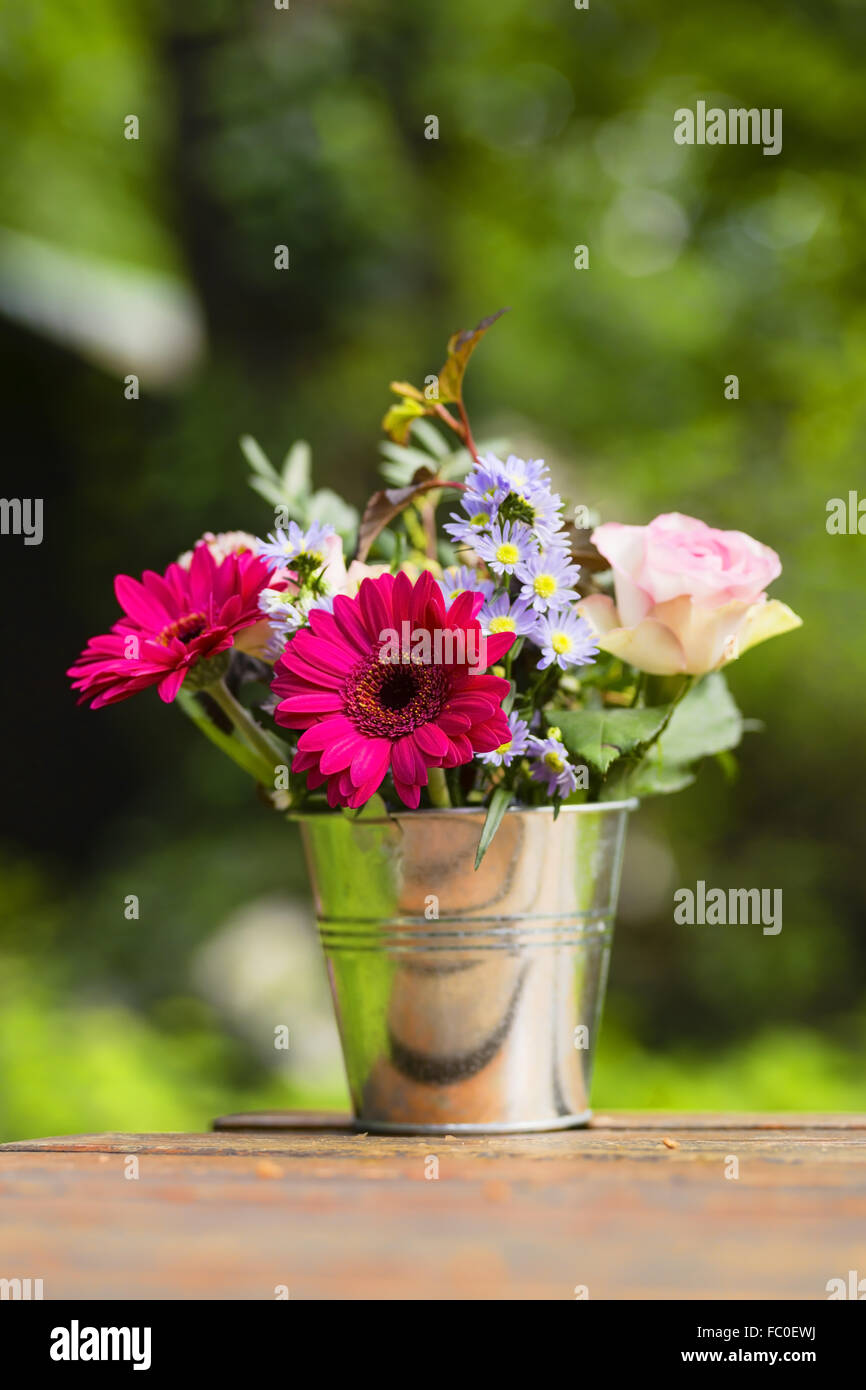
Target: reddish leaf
pixel 460 349
pixel 398 420
pixel 388 503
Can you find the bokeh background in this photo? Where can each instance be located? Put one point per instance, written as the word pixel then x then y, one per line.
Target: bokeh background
pixel 155 256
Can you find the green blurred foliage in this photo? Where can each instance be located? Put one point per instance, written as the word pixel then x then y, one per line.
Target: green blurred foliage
pixel 306 128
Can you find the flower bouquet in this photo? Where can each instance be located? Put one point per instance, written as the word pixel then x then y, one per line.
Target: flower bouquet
pixel 460 718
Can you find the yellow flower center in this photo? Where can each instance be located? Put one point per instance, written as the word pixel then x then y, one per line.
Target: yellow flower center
pixel 560 642
pixel 507 554
pixel 504 747
pixel 480 519
pixel 554 762
pixel 544 585
pixel 503 625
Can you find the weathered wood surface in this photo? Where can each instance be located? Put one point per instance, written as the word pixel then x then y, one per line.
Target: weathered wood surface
pixel 336 1122
pixel 638 1206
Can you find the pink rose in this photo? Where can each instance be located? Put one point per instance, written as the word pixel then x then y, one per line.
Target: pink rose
pixel 334 572
pixel 688 597
pixel 358 571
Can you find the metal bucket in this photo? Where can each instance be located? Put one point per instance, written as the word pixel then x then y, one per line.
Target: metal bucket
pixel 468 1001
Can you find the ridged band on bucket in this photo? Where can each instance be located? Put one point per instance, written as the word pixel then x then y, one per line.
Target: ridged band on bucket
pixel 455 934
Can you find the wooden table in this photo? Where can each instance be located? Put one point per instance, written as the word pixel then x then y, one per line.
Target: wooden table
pixel 637 1206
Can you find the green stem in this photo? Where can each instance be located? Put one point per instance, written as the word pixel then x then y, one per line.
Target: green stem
pixel 687 683
pixel 229 743
pixel 250 731
pixel 438 787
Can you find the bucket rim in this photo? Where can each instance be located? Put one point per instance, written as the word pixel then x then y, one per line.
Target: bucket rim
pixel 628 804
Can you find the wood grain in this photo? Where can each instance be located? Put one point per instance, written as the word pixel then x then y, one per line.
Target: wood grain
pixel 336 1215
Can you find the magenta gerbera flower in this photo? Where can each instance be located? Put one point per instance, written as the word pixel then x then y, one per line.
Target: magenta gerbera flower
pixel 172 622
pixel 364 714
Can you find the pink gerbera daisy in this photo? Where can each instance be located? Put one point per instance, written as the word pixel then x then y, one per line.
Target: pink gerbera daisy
pixel 363 716
pixel 172 622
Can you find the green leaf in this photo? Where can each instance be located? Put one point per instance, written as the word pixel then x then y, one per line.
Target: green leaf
pixel 297 469
pixel 460 348
pixel 600 736
pixel 256 457
pixel 415 404
pixel 499 804
pixel 407 460
pixel 327 506
pixel 398 420
pixel 650 778
pixel 271 491
pixel 729 765
pixel 706 721
pixel 430 438
pixel 405 388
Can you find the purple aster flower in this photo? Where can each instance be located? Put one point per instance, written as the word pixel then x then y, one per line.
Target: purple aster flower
pixel 519 490
pixel 564 639
pixel 500 614
pixel 487 483
pixel 458 579
pixel 560 539
pixel 545 510
pixel 547 580
pixel 297 544
pixel 504 755
pixel 551 767
pixel 527 476
pixel 507 545
pixel 466 531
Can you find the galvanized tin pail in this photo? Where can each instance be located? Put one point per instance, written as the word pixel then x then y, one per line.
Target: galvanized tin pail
pixel 468 1001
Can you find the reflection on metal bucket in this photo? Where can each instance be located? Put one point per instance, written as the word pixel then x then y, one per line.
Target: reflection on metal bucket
pixel 468 1001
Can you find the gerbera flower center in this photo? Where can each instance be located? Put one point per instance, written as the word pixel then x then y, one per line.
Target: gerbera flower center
pixel 544 585
pixel 184 629
pixel 387 700
pixel 398 689
pixel 507 554
pixel 503 624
